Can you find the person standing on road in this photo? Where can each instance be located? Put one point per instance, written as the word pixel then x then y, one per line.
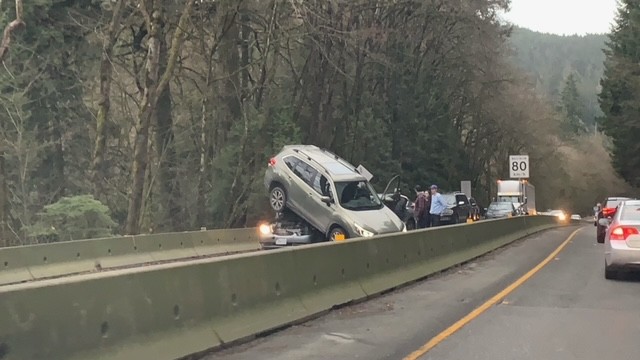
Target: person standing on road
pixel 438 206
pixel 421 209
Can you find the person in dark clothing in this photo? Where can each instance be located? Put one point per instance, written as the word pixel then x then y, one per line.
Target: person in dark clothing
pixel 427 215
pixel 400 204
pixel 421 209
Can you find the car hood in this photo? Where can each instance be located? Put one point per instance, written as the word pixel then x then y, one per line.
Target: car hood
pixel 380 221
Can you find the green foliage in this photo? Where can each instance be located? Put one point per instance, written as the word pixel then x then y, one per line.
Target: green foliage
pixel 549 59
pixel 73 218
pixel 423 89
pixel 570 108
pixel 620 89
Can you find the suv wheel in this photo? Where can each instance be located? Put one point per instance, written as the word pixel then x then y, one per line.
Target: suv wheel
pixel 277 198
pixel 600 237
pixel 337 231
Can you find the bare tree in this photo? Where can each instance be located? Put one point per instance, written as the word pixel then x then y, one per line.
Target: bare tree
pixel 104 104
pixel 13 26
pixel 155 84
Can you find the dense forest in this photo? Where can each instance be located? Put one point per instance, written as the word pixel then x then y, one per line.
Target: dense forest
pixel 122 116
pixel 551 59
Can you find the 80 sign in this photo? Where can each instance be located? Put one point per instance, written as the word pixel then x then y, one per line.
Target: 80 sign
pixel 519 166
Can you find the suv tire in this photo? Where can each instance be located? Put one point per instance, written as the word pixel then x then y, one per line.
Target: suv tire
pixel 600 237
pixel 277 198
pixel 336 231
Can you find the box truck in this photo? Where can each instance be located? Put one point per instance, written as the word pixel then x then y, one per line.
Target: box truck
pixel 520 192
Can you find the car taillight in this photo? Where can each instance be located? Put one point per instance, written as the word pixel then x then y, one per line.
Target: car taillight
pixel 622 232
pixel 272 161
pixel 606 212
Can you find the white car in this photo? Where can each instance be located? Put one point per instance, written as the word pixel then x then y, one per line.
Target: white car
pixel 622 239
pixel 576 217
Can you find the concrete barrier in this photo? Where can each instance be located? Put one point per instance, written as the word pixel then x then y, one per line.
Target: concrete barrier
pixel 175 309
pixel 33 262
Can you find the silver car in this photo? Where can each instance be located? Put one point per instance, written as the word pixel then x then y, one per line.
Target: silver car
pixel 622 239
pixel 329 193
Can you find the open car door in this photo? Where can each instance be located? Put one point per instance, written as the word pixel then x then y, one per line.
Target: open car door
pixel 392 186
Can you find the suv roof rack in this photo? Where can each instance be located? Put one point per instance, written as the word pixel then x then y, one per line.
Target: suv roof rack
pixel 341 160
pixel 311 159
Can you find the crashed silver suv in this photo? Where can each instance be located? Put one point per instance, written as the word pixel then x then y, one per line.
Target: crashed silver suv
pixel 327 192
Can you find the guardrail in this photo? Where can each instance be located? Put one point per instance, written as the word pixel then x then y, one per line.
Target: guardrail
pixel 176 309
pixel 34 262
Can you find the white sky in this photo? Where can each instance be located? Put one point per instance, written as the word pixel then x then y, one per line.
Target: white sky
pixel 563 17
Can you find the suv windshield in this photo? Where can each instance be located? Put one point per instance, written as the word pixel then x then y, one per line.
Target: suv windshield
pixel 357 195
pixel 501 206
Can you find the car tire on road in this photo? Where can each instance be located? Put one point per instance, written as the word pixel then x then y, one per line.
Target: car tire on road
pixel 609 273
pixel 600 237
pixel 277 198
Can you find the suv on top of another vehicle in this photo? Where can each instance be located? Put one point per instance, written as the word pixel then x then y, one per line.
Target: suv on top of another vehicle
pixel 458 210
pixel 608 210
pixel 328 192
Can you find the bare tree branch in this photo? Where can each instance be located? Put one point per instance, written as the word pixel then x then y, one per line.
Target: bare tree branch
pixel 13 26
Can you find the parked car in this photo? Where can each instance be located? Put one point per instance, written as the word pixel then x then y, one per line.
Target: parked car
pixel 327 193
pixel 458 210
pixel 500 209
pixel 608 210
pixel 622 239
pixel 576 217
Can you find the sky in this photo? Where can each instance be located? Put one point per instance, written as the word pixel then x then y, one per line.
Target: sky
pixel 563 17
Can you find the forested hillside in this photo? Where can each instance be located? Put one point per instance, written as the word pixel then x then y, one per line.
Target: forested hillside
pixel 164 113
pixel 620 89
pixel 550 59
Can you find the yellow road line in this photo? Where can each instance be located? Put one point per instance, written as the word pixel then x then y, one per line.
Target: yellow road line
pixel 484 307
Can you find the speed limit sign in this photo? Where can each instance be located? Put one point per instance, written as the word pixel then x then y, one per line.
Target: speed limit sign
pixel 519 166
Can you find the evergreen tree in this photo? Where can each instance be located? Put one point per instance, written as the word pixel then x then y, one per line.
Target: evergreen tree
pixel 571 107
pixel 620 87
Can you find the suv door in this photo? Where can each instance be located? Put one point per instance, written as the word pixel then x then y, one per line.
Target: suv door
pixel 321 213
pixel 301 186
pixel 295 184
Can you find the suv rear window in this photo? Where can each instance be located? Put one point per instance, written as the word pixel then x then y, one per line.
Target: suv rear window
pixel 630 212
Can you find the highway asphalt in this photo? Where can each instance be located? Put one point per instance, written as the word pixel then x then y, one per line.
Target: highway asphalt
pixel 566 310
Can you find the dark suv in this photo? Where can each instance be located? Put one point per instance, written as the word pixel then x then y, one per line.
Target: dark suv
pixel 458 210
pixel 608 210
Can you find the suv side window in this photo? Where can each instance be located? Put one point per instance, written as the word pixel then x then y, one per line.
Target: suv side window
pixel 321 185
pixel 462 198
pixel 304 171
pixel 291 162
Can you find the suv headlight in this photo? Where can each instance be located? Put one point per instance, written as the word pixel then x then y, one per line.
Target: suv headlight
pixel 447 212
pixel 362 232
